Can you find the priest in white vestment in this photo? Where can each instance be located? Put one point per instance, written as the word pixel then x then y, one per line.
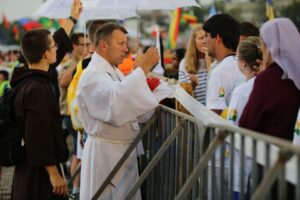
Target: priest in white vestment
pixel 109 107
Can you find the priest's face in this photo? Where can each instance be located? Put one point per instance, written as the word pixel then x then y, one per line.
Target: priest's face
pixel 117 47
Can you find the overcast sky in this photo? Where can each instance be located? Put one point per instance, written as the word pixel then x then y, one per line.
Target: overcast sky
pixel 14 9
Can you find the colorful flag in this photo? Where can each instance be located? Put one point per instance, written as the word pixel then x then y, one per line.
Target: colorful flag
pixel 16 32
pixel 28 24
pixel 269 9
pixel 174 28
pixel 189 18
pixel 5 22
pixel 48 23
pixel 5 32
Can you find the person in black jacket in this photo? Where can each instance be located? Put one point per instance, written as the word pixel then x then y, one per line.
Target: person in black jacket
pixel 39 175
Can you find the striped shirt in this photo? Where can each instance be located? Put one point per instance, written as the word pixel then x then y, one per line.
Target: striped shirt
pixel 200 89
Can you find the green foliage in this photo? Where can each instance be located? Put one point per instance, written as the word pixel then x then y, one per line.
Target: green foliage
pixel 235 13
pixel 201 13
pixel 261 13
pixel 292 11
pixel 220 7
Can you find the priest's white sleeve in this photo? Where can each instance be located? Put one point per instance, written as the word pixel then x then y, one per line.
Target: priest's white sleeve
pixel 115 102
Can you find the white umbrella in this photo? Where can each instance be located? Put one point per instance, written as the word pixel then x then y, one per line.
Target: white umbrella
pixel 54 9
pixel 59 9
pixel 147 4
pixel 92 13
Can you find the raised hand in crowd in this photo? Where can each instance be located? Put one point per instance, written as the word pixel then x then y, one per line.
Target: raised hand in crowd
pixel 76 10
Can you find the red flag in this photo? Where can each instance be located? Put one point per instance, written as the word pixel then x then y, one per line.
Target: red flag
pixel 31 25
pixel 16 32
pixel 5 21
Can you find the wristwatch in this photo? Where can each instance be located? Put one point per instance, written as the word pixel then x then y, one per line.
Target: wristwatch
pixel 72 19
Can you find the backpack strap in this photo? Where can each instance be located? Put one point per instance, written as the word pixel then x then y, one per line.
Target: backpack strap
pixel 20 85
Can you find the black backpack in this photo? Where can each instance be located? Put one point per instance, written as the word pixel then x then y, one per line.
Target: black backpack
pixel 11 149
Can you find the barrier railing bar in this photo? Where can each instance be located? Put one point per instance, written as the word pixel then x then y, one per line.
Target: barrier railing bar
pixel 271 175
pixel 254 166
pixel 222 168
pixel 172 170
pixel 280 143
pixel 201 165
pixel 155 159
pixel 242 169
pixel 232 153
pixel 297 195
pixel 213 166
pixel 282 184
pixel 267 166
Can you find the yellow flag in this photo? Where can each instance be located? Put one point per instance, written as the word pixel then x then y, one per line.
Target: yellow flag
pixel 269 9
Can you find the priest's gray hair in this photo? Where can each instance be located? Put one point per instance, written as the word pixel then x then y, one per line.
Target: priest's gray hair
pixel 104 32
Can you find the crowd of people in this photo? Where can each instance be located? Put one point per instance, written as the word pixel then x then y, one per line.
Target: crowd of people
pixel 249 77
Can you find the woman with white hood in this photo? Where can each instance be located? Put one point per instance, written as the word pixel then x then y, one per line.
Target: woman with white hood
pixel 275 99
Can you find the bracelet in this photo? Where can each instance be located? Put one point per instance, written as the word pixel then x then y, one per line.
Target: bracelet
pixel 72 19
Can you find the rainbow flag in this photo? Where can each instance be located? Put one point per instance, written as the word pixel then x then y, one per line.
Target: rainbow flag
pixel 189 18
pixel 269 9
pixel 174 28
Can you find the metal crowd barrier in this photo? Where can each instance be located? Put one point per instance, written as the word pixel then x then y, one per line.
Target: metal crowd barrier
pixel 273 161
pixel 172 149
pixel 194 158
pixel 173 145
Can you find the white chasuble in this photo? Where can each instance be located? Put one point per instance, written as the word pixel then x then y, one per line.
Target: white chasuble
pixel 109 105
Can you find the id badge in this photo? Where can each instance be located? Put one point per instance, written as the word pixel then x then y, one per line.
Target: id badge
pixel 135 125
